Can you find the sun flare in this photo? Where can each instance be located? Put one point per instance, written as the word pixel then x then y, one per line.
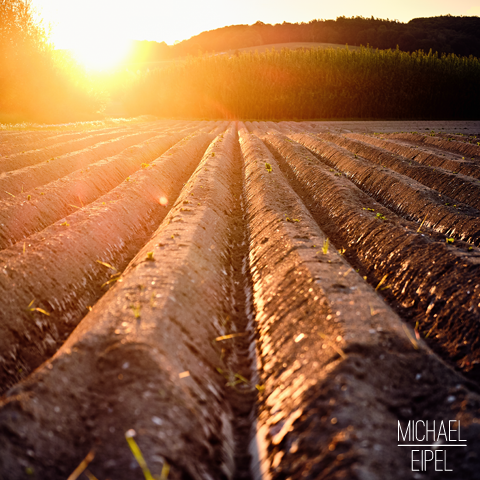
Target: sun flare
pixel 100 53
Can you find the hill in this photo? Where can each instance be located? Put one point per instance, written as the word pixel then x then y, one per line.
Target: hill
pixel 444 34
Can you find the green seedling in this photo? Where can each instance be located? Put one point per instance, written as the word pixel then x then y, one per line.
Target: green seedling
pixel 381 282
pixel 233 379
pixel 113 278
pixel 325 246
pixel 268 167
pixel 32 309
pixel 136 310
pixel 449 240
pixel 105 264
pixel 369 209
pixel 137 453
pixel 380 216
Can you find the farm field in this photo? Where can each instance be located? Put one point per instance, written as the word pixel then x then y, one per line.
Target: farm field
pixel 241 300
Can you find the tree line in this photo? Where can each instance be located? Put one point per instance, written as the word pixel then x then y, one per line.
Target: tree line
pixel 444 34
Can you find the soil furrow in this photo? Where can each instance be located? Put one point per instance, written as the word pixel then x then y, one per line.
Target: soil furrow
pixel 34 176
pixel 338 367
pixel 30 213
pixel 454 163
pixel 60 270
pixel 426 279
pixel 461 148
pixel 403 195
pixel 33 157
pixel 457 186
pixel 28 144
pixel 51 138
pixel 146 357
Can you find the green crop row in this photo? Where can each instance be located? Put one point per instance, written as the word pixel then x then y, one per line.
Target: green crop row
pixel 312 84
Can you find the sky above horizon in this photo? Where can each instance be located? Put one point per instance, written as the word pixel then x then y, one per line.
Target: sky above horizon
pixel 107 25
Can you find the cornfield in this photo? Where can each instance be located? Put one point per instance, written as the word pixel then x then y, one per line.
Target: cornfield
pixel 312 84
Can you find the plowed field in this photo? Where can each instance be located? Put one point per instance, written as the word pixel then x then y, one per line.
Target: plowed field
pixel 243 300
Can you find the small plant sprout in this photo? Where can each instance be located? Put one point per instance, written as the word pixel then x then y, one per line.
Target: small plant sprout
pixel 381 282
pixel 449 240
pixel 268 167
pixel 105 264
pixel 136 308
pixel 65 224
pixel 32 309
pixel 380 216
pixel 113 278
pixel 150 257
pixel 137 453
pixel 325 246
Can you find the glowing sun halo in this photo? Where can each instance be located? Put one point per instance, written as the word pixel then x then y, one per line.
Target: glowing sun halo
pixel 100 53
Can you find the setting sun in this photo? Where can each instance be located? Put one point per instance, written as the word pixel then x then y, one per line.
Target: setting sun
pixel 100 53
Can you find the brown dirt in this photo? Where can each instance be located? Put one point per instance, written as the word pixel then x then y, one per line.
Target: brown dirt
pixel 237 343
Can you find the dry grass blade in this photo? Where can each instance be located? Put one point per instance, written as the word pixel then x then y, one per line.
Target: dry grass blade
pixel 421 225
pixel 90 475
pixel 83 465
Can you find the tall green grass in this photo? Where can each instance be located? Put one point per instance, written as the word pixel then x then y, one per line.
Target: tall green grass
pixel 312 84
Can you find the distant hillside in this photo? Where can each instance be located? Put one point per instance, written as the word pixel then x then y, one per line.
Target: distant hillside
pixel 445 34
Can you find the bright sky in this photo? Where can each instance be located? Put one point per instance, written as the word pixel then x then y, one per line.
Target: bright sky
pixel 99 28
